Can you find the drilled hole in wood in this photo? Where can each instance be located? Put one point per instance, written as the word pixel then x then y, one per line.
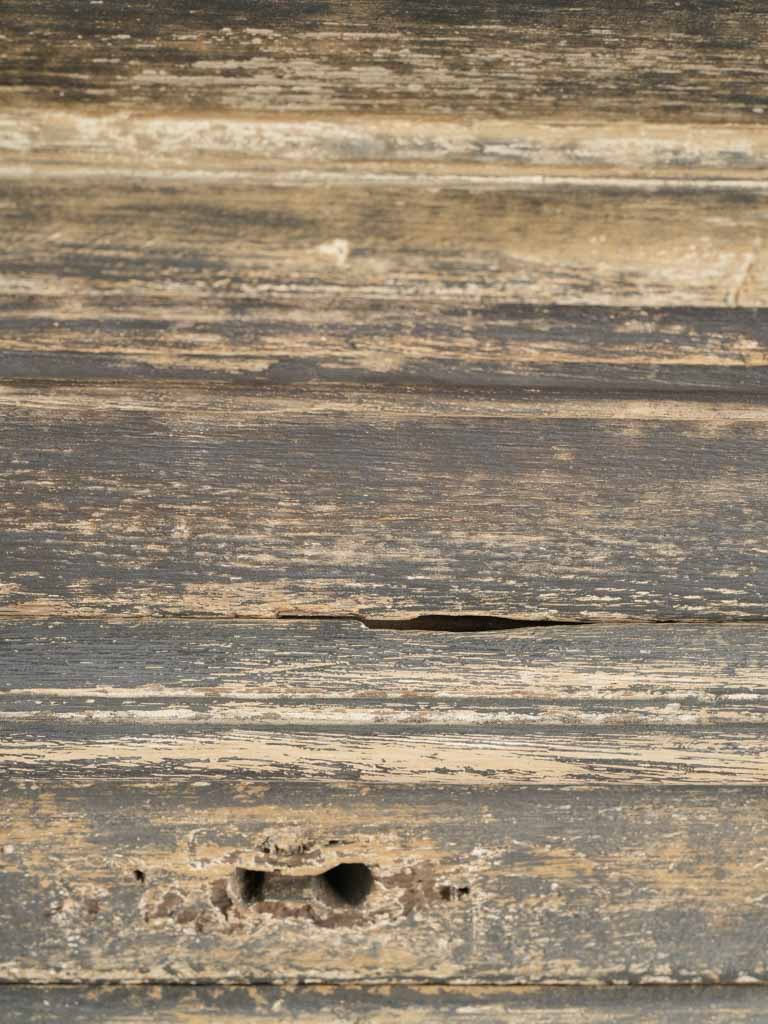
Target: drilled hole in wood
pixel 250 884
pixel 454 892
pixel 349 883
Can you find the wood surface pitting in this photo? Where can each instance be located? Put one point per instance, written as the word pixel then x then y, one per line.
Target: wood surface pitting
pixel 614 885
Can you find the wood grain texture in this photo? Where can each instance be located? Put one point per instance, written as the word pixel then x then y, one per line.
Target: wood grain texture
pixel 551 884
pixel 188 243
pixel 400 1004
pixel 378 310
pixel 561 705
pixel 603 88
pixel 439 344
pixel 385 502
pixel 699 62
pixel 39 137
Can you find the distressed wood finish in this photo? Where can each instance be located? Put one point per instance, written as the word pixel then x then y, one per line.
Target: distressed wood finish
pixel 503 884
pixel 382 310
pixel 390 1004
pixel 608 705
pixel 605 88
pixel 385 502
pixel 700 63
pixel 192 242
pixel 284 341
pixel 74 136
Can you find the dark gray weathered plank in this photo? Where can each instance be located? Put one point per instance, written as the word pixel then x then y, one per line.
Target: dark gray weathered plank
pixel 444 344
pixel 386 502
pixel 588 704
pixel 399 1004
pixel 139 880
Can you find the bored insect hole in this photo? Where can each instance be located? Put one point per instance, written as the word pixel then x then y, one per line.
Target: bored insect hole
pixel 454 892
pixel 349 883
pixel 250 884
pixel 139 875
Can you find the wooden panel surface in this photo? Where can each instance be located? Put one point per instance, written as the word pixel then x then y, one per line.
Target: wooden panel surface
pixel 379 311
pixel 443 344
pixel 188 242
pixel 390 1004
pixel 74 136
pixel 383 502
pixel 588 704
pixel 137 880
pixel 700 62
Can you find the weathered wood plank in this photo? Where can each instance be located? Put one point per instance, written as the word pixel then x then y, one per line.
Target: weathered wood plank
pixel 606 704
pixel 399 1004
pixel 502 884
pixel 41 137
pixel 274 341
pixel 383 502
pixel 189 243
pixel 536 60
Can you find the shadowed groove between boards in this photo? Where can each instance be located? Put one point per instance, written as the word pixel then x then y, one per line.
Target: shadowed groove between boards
pixel 424 622
pixel 484 623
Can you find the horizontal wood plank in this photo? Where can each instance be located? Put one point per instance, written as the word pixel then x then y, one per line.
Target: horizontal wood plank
pixel 189 244
pixel 383 502
pixel 140 881
pixel 442 344
pixel 396 310
pixel 591 704
pixel 400 1004
pixel 531 60
pixel 40 138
